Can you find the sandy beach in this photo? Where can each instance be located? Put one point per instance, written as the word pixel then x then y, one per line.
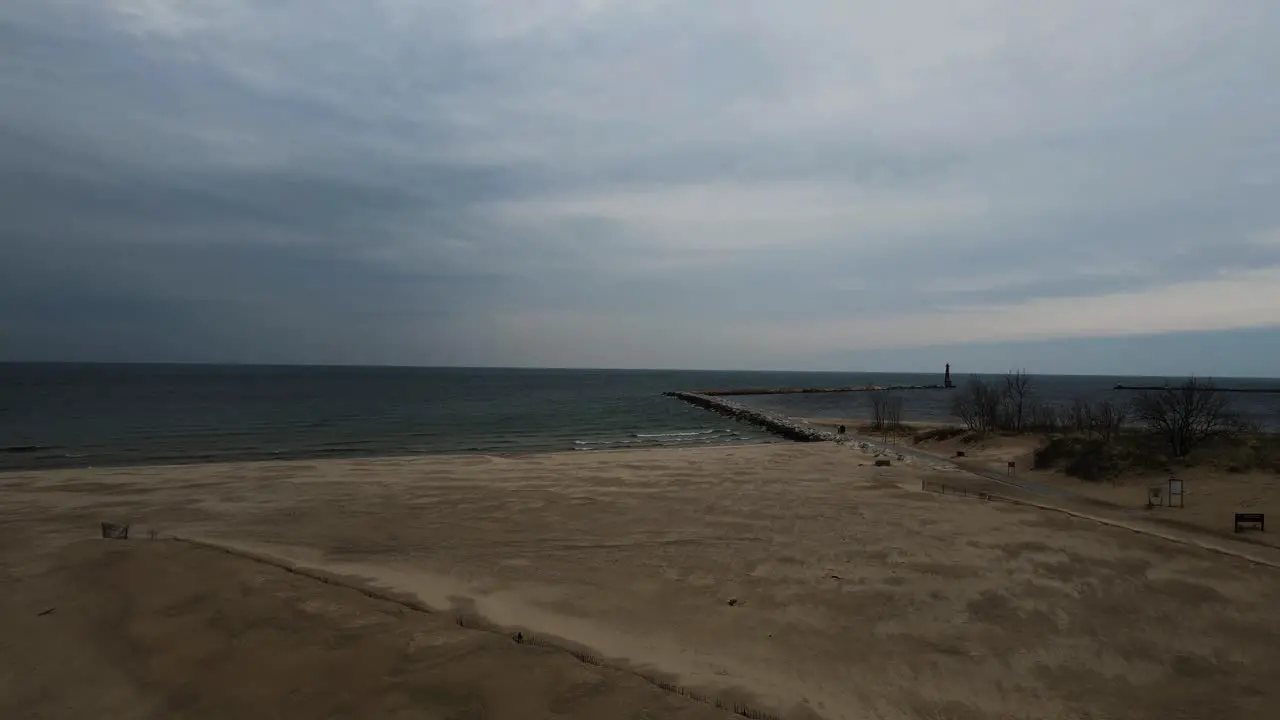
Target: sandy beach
pixel 1213 490
pixel 784 580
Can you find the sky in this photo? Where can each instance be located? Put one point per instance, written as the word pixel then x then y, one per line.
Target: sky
pixel 1070 186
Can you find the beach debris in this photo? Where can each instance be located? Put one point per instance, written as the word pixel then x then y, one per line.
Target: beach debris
pixel 733 602
pixel 46 612
pixel 883 463
pixel 115 531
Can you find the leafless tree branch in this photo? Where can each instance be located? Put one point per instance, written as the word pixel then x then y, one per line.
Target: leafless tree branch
pixel 1187 415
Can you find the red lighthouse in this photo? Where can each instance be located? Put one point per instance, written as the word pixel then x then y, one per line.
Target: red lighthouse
pixel 946 381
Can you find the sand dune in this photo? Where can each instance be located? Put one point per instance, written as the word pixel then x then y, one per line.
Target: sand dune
pixel 793 578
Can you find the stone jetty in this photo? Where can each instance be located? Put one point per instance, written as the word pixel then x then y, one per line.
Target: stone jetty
pixel 779 426
pixel 796 391
pixel 1160 388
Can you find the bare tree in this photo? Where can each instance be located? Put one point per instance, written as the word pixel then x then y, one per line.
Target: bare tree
pixel 1017 399
pixel 1080 416
pixel 990 402
pixel 1045 417
pixel 978 405
pixel 964 408
pixel 893 411
pixel 879 409
pixel 1106 418
pixel 1187 415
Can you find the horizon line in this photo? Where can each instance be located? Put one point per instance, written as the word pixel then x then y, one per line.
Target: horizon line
pixel 356 366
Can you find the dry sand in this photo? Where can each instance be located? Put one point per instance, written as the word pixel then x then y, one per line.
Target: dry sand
pixel 855 595
pixel 165 630
pixel 1212 494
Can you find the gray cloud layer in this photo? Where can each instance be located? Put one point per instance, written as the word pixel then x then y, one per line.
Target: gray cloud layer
pixel 629 184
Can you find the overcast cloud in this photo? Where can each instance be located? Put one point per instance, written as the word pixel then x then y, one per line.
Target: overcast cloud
pixel 650 183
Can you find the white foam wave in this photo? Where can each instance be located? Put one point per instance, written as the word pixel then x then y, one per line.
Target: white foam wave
pixel 607 442
pixel 685 437
pixel 682 433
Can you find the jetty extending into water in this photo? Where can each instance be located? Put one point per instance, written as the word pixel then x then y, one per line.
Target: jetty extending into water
pixel 795 391
pixel 713 399
pixel 1147 388
pixel 776 425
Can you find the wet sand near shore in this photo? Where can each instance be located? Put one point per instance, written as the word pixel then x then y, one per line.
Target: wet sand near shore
pixel 797 580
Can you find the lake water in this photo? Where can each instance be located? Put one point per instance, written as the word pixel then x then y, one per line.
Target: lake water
pixel 71 415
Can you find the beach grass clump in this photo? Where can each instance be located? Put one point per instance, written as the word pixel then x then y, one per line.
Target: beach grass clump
pixel 1087 458
pixel 937 434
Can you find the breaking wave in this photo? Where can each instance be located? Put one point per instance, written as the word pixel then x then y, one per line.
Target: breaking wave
pixel 665 439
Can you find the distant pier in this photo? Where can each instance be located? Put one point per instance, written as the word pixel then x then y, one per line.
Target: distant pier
pixel 1146 388
pixel 775 425
pixel 796 391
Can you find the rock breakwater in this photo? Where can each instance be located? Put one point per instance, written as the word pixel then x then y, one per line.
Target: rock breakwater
pixel 779 426
pixel 798 390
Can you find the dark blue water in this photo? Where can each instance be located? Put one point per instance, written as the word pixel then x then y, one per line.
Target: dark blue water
pixel 66 415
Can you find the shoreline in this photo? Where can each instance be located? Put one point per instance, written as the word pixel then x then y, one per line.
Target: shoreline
pixel 405 457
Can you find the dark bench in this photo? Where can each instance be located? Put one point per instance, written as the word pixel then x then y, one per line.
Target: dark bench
pixel 1250 519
